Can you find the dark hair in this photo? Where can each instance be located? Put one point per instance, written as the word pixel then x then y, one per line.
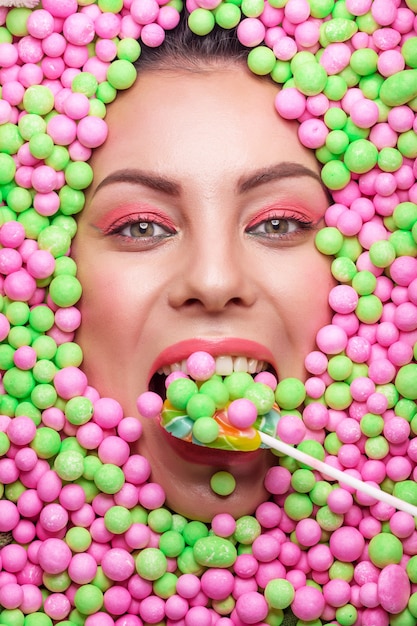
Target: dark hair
pixel 183 48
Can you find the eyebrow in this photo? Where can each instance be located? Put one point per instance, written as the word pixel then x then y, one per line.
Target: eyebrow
pixel 262 176
pixel 139 177
pixel 280 171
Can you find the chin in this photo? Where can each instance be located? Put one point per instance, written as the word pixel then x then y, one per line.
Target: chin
pixel 187 484
pixel 204 504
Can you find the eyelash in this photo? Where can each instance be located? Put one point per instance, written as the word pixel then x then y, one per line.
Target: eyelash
pixel 119 226
pixel 299 223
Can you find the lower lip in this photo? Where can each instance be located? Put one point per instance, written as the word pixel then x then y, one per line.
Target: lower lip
pixel 202 455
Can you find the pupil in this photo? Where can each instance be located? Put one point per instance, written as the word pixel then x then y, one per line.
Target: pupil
pixel 142 228
pixel 276 226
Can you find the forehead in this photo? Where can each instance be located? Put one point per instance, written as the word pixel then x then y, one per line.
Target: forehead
pixel 227 113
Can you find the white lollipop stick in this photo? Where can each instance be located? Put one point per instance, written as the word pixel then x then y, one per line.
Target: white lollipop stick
pixel 341 477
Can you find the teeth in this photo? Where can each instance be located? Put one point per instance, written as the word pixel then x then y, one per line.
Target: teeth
pixel 260 367
pixel 168 369
pixel 225 365
pixel 240 364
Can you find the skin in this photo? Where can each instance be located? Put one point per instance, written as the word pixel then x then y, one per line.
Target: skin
pixel 205 161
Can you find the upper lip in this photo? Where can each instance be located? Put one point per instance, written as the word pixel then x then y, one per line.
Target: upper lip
pixel 214 346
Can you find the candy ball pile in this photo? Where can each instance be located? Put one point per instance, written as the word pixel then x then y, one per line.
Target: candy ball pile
pixel 91 540
pixel 220 412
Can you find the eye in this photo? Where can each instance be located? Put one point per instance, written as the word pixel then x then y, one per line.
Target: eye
pixel 143 229
pixel 140 229
pixel 278 226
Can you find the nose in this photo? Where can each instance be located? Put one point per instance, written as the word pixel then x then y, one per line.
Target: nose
pixel 214 274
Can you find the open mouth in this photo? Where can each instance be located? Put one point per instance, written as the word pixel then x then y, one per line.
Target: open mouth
pixel 225 365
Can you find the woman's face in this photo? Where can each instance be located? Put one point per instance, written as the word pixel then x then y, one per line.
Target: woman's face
pixel 198 234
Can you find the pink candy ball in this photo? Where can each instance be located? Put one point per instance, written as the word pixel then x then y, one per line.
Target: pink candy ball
pixel 137 469
pixel 316 362
pixel 19 285
pixel 149 404
pixel 168 17
pixel 53 517
pixel 11 596
pixel 82 568
pixel 9 515
pixel 402 524
pixel 339 501
pixel 250 31
pixel 335 58
pixel 92 131
pixel 78 29
pixel 138 536
pixel 13 558
pixel 114 450
pixel 29 503
pixel 268 514
pixel 25 459
pixel 346 544
pixel 217 583
pixel 266 548
pixel 393 588
pixel 107 412
pixel 290 103
pixel 144 11
pixel 152 35
pixel 62 129
pixel 72 497
pixel 70 382
pixel 21 430
pixel 99 619
pixel 364 113
pixel 117 600
pixel 291 429
pixel 223 524
pixel 152 608
pixel 308 603
pixel 337 592
pixel 40 264
pixel 201 365
pixel 285 48
pixel 54 556
pixel 10 261
pixel 277 480
pixel 32 598
pixel 176 607
pixel 188 586
pixel 152 496
pixel 118 564
pixel 315 416
pixel 129 429
pixel 251 607
pixel 308 532
pixel 49 486
pixel 331 339
pixel 242 413
pixel 173 376
pixel 57 606
pixel 267 378
pixel 312 133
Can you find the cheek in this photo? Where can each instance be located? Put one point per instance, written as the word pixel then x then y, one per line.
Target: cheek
pixel 310 283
